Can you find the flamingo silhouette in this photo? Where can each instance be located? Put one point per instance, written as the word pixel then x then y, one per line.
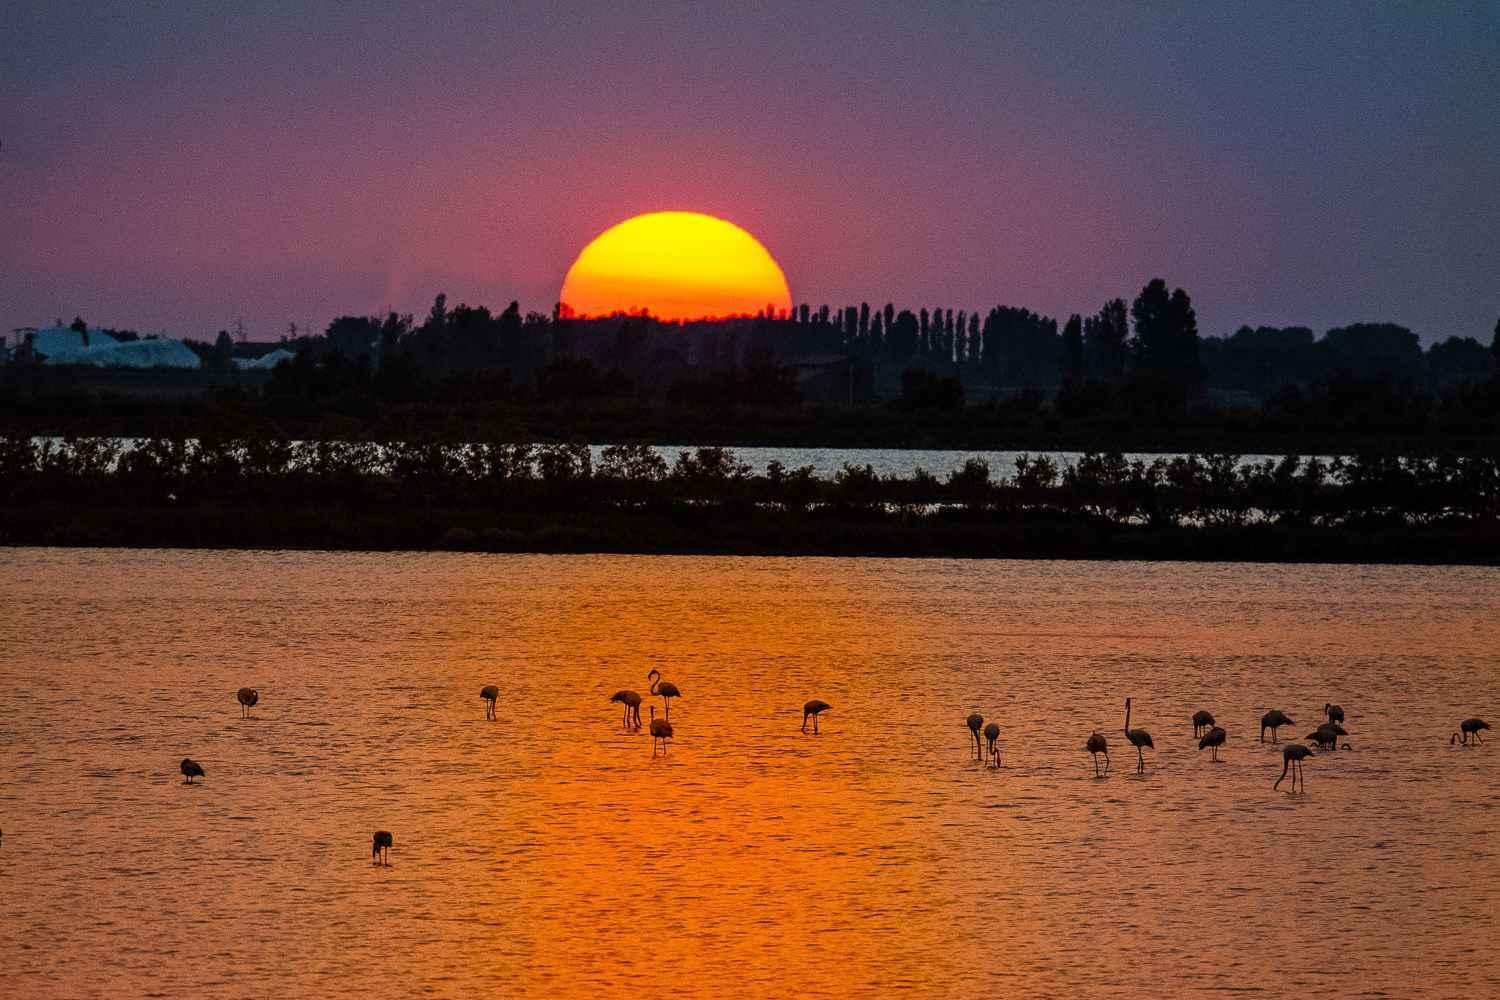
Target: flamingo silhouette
pixel 1274 720
pixel 1292 758
pixel 1213 739
pixel 247 697
pixel 632 702
pixel 1201 721
pixel 813 709
pixel 661 732
pixel 1327 735
pixel 1096 745
pixel 1138 738
pixel 190 769
pixel 992 738
pixel 666 689
pixel 1335 713
pixel 975 721
pixel 490 693
pixel 380 847
pixel 1469 727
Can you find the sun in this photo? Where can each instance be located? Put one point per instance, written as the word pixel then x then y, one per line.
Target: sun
pixel 676 266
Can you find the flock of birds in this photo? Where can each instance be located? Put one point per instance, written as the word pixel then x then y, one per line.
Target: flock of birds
pixel 1211 736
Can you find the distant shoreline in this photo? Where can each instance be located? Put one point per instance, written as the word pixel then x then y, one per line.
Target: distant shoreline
pixel 335 529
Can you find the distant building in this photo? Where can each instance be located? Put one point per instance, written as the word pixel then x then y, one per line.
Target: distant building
pixel 265 362
pixel 61 345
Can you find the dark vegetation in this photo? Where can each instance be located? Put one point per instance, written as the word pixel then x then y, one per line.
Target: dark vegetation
pixel 494 496
pixel 1134 376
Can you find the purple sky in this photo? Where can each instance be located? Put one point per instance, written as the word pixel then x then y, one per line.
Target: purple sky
pixel 1315 164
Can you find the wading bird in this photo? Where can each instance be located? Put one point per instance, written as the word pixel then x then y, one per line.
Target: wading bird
pixel 632 702
pixel 247 697
pixel 380 847
pixel 1335 713
pixel 661 732
pixel 1327 735
pixel 666 689
pixel 975 722
pixel 1291 759
pixel 490 693
pixel 1202 721
pixel 992 742
pixel 1139 739
pixel 1274 720
pixel 190 769
pixel 1212 740
pixel 812 710
pixel 1469 727
pixel 1096 745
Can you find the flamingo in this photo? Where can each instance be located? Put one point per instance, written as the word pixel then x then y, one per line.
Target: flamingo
pixel 1469 727
pixel 1201 721
pixel 661 730
pixel 1096 745
pixel 1335 713
pixel 992 737
pixel 490 693
pixel 1274 720
pixel 380 847
pixel 247 697
pixel 632 702
pixel 974 722
pixel 1327 735
pixel 1138 738
pixel 814 709
pixel 666 689
pixel 190 769
pixel 1291 758
pixel 1213 739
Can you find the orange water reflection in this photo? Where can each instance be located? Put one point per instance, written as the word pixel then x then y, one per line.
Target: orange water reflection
pixel 548 854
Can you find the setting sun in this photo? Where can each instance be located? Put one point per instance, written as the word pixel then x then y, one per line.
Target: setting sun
pixel 676 266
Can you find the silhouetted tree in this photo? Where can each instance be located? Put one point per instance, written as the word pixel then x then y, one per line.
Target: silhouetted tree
pixel 78 325
pixel 1166 334
pixel 1457 359
pixel 353 336
pixel 1373 350
pixel 864 320
pixel 1105 335
pixel 1495 343
pixel 903 336
pixel 1072 350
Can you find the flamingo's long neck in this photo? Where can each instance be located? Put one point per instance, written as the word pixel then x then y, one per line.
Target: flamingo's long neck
pixel 1127 717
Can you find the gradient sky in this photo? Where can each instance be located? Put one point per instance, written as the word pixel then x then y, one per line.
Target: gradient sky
pixel 175 166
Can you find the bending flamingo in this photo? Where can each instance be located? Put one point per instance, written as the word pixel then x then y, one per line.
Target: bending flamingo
pixel 1213 739
pixel 812 710
pixel 380 847
pixel 490 693
pixel 1096 745
pixel 1274 720
pixel 1292 758
pixel 1202 721
pixel 632 702
pixel 974 722
pixel 1469 727
pixel 992 738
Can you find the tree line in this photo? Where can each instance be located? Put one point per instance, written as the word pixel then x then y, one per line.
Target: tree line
pixel 1216 489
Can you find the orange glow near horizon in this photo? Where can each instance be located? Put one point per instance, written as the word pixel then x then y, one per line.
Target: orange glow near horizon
pixel 676 266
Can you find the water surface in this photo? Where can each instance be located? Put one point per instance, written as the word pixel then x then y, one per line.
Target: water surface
pixel 548 854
